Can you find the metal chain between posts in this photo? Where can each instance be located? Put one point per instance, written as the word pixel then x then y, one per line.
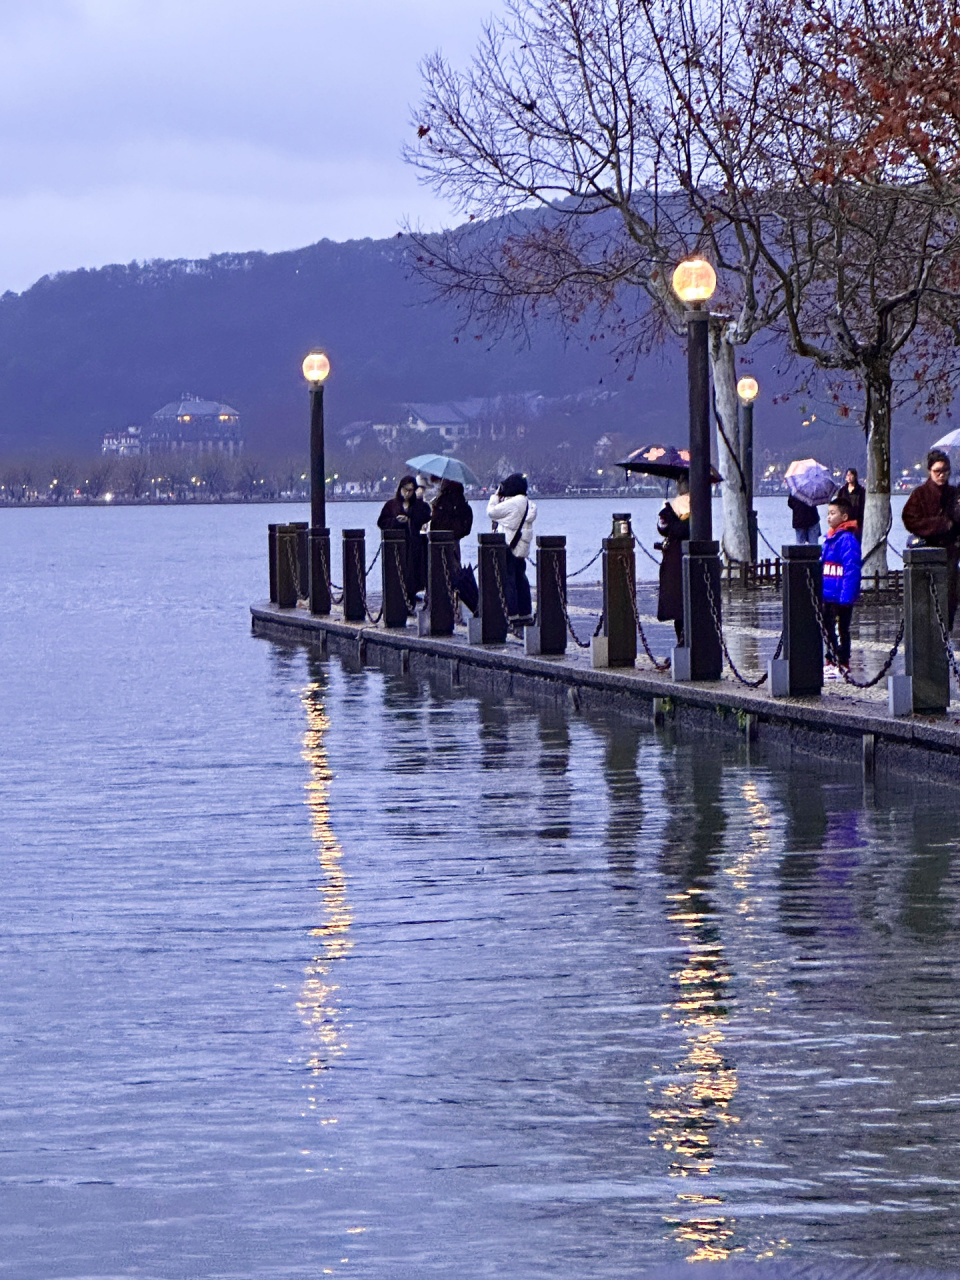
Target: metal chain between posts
pixel 832 654
pixel 718 627
pixel 648 554
pixel 562 596
pixel 373 561
pixel 584 567
pixel 293 564
pixel 944 633
pixel 500 592
pixel 454 595
pixel 401 576
pixel 326 574
pixel 663 665
pixel 362 584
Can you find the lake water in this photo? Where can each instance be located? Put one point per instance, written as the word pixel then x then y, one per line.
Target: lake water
pixel 310 971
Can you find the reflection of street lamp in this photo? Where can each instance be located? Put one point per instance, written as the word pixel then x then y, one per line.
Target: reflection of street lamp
pixel 316 369
pixel 700 657
pixel 747 390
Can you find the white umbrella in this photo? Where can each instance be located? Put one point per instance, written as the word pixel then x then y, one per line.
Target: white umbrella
pixel 950 441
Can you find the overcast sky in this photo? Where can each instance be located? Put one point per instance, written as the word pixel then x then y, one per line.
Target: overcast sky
pixel 180 128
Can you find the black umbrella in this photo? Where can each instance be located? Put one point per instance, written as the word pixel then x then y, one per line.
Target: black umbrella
pixel 663 460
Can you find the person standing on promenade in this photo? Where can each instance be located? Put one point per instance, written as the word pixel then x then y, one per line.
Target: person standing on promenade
pixel 841 559
pixel 513 515
pixel 408 512
pixel 855 496
pixel 673 526
pixel 806 522
pixel 452 512
pixel 931 514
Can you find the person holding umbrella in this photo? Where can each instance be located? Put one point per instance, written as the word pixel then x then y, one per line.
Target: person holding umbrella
pixel 673 525
pixel 673 522
pixel 809 483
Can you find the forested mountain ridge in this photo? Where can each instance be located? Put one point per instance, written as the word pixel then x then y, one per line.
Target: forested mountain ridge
pixel 87 351
pixel 90 350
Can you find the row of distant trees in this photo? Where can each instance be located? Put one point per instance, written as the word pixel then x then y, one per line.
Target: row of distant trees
pixel 66 479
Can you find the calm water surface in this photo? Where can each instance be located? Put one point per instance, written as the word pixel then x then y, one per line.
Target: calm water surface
pixel 311 971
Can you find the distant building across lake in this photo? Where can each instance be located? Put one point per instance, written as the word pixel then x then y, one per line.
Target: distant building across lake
pixel 125 444
pixel 188 425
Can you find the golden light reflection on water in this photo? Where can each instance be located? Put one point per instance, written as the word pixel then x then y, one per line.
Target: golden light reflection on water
pixel 697 1101
pixel 318 1004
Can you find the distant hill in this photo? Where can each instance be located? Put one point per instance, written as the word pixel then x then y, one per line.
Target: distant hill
pixel 87 351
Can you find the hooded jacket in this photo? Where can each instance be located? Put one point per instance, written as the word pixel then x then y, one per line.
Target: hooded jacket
pixel 841 558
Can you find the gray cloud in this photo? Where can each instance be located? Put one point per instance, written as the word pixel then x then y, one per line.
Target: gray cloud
pixel 177 128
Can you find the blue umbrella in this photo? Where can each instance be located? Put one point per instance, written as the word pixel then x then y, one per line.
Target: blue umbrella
pixel 437 464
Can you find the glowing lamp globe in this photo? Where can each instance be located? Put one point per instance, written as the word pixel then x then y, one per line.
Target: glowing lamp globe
pixel 694 280
pixel 747 390
pixel 316 367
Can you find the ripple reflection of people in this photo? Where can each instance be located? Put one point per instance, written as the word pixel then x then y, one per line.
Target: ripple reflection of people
pixel 408 512
pixel 673 526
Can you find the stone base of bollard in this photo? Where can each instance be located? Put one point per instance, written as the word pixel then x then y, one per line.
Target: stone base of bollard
pixel 900 695
pixel 680 663
pixel 423 622
pixel 778 673
pixel 599 652
pixel 474 631
pixel 531 641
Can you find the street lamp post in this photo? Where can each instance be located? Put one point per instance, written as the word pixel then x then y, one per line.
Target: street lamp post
pixel 747 390
pixel 700 657
pixel 316 369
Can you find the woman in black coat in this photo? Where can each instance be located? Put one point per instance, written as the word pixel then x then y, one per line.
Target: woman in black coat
pixel 673 525
pixel 408 512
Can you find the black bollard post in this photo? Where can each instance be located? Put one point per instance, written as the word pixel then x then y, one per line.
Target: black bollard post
pixel 354 575
pixel 319 540
pixel 618 643
pixel 492 624
pixel 552 594
pixel 440 545
pixel 925 657
pixel 799 673
pixel 272 554
pixel 303 558
pixel 393 553
pixel 700 657
pixel 286 566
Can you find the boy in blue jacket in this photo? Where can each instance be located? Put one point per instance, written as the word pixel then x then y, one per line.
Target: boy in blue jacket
pixel 841 557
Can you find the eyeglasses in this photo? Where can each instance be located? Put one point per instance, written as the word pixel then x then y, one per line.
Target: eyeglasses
pixel 940 471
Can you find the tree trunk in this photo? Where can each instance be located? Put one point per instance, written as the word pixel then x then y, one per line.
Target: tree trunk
pixel 735 538
pixel 877 514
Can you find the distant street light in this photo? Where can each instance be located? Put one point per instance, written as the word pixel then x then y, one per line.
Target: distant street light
pixel 748 389
pixel 316 370
pixel 694 282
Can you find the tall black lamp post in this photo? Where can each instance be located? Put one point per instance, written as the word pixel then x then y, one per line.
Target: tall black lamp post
pixel 747 391
pixel 700 657
pixel 316 369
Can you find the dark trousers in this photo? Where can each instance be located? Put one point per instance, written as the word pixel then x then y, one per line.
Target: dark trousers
pixel 517 588
pixel 837 617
